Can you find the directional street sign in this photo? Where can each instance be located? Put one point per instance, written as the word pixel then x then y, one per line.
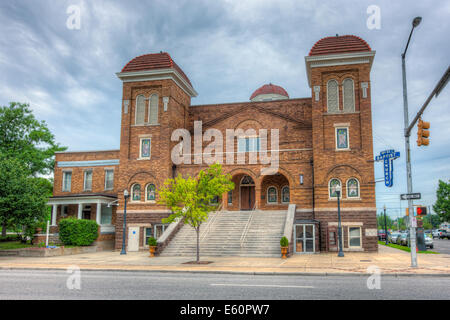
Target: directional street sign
pixel 412 196
pixel 388 158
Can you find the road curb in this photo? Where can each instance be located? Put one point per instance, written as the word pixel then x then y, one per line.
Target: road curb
pixel 254 273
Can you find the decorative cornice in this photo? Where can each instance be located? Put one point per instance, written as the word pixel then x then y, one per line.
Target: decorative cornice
pixel 159 74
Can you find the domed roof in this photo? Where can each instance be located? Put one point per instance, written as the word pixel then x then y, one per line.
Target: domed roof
pixel 339 44
pixel 154 61
pixel 269 89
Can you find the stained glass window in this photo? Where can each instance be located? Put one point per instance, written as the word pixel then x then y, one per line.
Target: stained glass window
pixel 145 148
pixel 342 138
pixel 272 195
pixel 334 183
pixel 333 96
pixel 136 192
pixel 140 110
pixel 153 109
pixel 247 180
pixel 349 96
pixel 151 192
pixel 352 188
pixel 285 194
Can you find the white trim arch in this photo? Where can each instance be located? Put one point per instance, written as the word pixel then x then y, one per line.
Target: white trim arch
pixel 358 189
pixel 153 109
pixel 348 97
pixel 139 110
pixel 146 192
pixel 132 192
pixel 276 194
pixel 329 188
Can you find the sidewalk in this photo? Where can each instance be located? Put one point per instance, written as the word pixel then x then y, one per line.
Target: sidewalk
pixel 388 260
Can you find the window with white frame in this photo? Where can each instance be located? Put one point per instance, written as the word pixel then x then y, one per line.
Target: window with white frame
pixel 285 196
pixel 153 109
pixel 349 95
pixel 150 192
pixel 106 216
pixel 145 148
pixel 354 237
pixel 352 188
pixel 88 180
pixel 67 181
pixel 342 140
pixel 136 192
pixel 332 187
pixel 272 195
pixel 140 110
pixel 249 144
pixel 109 179
pixel 148 232
pixel 333 96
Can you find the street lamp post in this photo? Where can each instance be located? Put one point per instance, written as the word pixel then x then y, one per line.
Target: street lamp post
pixel 338 193
pixel 126 195
pixel 385 226
pixel 412 230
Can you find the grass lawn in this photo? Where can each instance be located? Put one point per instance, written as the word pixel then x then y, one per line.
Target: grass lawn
pixel 13 245
pixel 404 248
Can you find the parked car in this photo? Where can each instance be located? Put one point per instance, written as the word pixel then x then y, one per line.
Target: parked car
pixel 382 235
pixel 442 233
pixel 404 239
pixel 392 238
pixel 435 233
pixel 429 240
pixel 445 234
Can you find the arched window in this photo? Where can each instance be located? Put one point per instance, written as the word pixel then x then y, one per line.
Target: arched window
pixel 334 183
pixel 153 109
pixel 349 95
pixel 150 192
pixel 247 180
pixel 333 96
pixel 272 196
pixel 136 192
pixel 140 110
pixel 352 188
pixel 285 196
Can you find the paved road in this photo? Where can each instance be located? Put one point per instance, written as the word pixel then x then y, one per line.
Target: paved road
pixel 441 246
pixel 40 284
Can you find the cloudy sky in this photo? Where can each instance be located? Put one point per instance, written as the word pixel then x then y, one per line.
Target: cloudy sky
pixel 228 49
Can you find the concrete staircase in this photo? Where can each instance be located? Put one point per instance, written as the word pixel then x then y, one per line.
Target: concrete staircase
pixel 232 233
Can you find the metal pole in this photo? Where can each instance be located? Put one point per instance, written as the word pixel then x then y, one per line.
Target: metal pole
pixel 385 227
pixel 341 253
pixel 412 230
pixel 124 226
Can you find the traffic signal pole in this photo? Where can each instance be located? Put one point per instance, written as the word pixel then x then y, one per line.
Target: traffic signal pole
pixel 412 230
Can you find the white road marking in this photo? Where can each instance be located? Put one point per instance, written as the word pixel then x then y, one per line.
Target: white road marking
pixel 257 285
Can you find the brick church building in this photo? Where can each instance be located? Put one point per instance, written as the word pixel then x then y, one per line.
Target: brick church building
pixel 325 144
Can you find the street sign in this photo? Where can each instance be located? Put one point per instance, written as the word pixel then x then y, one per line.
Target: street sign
pixel 410 196
pixel 388 157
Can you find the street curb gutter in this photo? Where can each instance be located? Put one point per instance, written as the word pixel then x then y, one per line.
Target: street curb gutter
pixel 261 273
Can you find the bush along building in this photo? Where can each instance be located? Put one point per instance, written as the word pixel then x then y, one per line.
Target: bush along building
pixel 315 146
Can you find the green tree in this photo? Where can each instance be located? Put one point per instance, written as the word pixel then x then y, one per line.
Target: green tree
pixel 23 198
pixel 380 221
pixel 192 198
pixel 442 205
pixel 30 146
pixel 25 138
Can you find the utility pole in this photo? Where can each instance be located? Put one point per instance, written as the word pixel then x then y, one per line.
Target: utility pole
pixel 412 230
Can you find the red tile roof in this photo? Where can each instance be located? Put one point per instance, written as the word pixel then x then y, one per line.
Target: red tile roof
pixel 154 61
pixel 269 89
pixel 339 44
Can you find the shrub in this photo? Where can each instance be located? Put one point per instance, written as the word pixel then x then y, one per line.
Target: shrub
pixel 152 242
pixel 284 242
pixel 78 232
pixel 10 237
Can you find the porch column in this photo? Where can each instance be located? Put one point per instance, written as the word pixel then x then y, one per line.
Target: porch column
pixel 98 215
pixel 54 212
pixel 80 210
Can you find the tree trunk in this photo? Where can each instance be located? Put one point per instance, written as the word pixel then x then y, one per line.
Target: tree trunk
pixel 4 229
pixel 198 243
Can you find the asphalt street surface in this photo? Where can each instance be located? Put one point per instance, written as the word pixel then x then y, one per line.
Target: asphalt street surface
pixel 441 246
pixel 59 284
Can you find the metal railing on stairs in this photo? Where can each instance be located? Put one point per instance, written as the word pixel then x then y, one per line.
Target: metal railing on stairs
pixel 247 226
pixel 210 223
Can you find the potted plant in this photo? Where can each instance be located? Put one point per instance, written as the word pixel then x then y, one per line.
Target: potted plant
pixel 284 243
pixel 152 243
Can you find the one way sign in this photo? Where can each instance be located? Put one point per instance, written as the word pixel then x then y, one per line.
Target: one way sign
pixel 410 196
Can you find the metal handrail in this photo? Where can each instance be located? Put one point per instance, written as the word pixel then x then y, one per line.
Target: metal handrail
pixel 213 220
pixel 247 226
